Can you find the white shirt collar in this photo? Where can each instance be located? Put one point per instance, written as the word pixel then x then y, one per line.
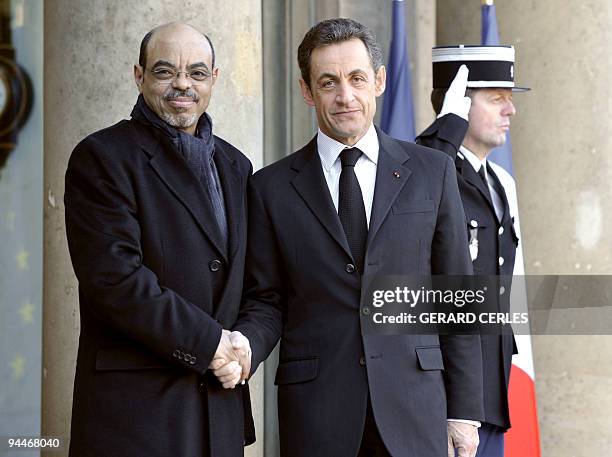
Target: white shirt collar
pixel 330 149
pixel 473 159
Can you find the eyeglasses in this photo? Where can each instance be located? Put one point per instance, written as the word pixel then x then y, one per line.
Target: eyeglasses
pixel 165 75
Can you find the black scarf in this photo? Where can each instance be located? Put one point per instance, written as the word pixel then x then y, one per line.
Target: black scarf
pixel 194 149
pixel 198 151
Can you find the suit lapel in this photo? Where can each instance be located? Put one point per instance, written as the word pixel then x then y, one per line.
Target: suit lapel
pixel 182 183
pixel 231 183
pixel 501 191
pixel 465 169
pixel 392 174
pixel 310 184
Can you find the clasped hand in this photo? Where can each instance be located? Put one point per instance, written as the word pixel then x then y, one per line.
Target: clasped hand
pixel 232 361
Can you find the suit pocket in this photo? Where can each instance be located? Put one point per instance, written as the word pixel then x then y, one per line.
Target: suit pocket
pixel 126 359
pixel 430 358
pixel 416 206
pixel 297 370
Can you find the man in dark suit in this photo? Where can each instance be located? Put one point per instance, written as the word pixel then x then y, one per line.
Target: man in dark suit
pixel 351 205
pixel 156 226
pixel 468 128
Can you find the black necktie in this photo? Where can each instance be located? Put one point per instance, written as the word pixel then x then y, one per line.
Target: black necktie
pixel 351 209
pixel 483 176
pixel 497 200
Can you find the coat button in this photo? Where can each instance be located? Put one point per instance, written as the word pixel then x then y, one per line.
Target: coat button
pixel 473 223
pixel 366 311
pixel 501 261
pixel 202 387
pixel 214 265
pixel 500 231
pixel 362 361
pixel 502 290
pixel 350 268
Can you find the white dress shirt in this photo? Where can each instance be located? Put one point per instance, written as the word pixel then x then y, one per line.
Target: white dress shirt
pixel 476 163
pixel 365 168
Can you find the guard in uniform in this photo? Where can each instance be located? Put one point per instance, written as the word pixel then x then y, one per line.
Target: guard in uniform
pixel 472 97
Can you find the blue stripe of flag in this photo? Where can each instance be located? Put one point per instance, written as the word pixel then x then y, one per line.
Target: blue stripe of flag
pixel 398 115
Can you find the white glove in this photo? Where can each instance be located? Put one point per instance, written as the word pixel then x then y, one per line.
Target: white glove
pixel 455 100
pixel 463 437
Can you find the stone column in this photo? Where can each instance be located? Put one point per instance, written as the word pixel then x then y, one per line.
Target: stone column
pixel 562 137
pixel 90 48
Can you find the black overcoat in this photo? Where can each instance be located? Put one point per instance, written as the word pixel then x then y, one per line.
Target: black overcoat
pixel 156 286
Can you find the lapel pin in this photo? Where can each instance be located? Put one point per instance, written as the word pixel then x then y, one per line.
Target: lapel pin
pixel 396 174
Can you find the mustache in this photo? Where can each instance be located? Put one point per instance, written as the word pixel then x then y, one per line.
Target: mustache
pixel 174 94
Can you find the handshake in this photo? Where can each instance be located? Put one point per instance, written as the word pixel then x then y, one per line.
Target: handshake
pixel 232 361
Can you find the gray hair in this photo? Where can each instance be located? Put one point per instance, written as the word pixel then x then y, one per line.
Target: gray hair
pixel 334 31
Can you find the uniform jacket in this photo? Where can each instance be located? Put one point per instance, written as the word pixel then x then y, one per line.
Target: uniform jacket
pixel 302 286
pixel 497 242
pixel 155 290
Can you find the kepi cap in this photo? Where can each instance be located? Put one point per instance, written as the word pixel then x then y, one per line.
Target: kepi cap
pixel 489 66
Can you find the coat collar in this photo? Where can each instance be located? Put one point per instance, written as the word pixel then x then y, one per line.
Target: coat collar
pixel 466 170
pixel 470 176
pixel 501 191
pixel 392 174
pixel 186 187
pixel 310 184
pixel 231 184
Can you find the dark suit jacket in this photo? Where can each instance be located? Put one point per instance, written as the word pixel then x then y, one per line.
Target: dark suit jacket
pixel 496 240
pixel 155 290
pixel 301 285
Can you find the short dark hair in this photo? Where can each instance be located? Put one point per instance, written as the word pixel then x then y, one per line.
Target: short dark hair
pixel 334 31
pixel 437 98
pixel 142 57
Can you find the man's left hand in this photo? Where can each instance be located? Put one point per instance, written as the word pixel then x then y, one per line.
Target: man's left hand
pixel 229 374
pixel 463 437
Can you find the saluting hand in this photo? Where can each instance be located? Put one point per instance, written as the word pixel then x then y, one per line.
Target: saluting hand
pixel 455 101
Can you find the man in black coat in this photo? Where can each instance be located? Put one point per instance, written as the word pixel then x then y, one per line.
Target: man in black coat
pixel 468 128
pixel 156 226
pixel 355 204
